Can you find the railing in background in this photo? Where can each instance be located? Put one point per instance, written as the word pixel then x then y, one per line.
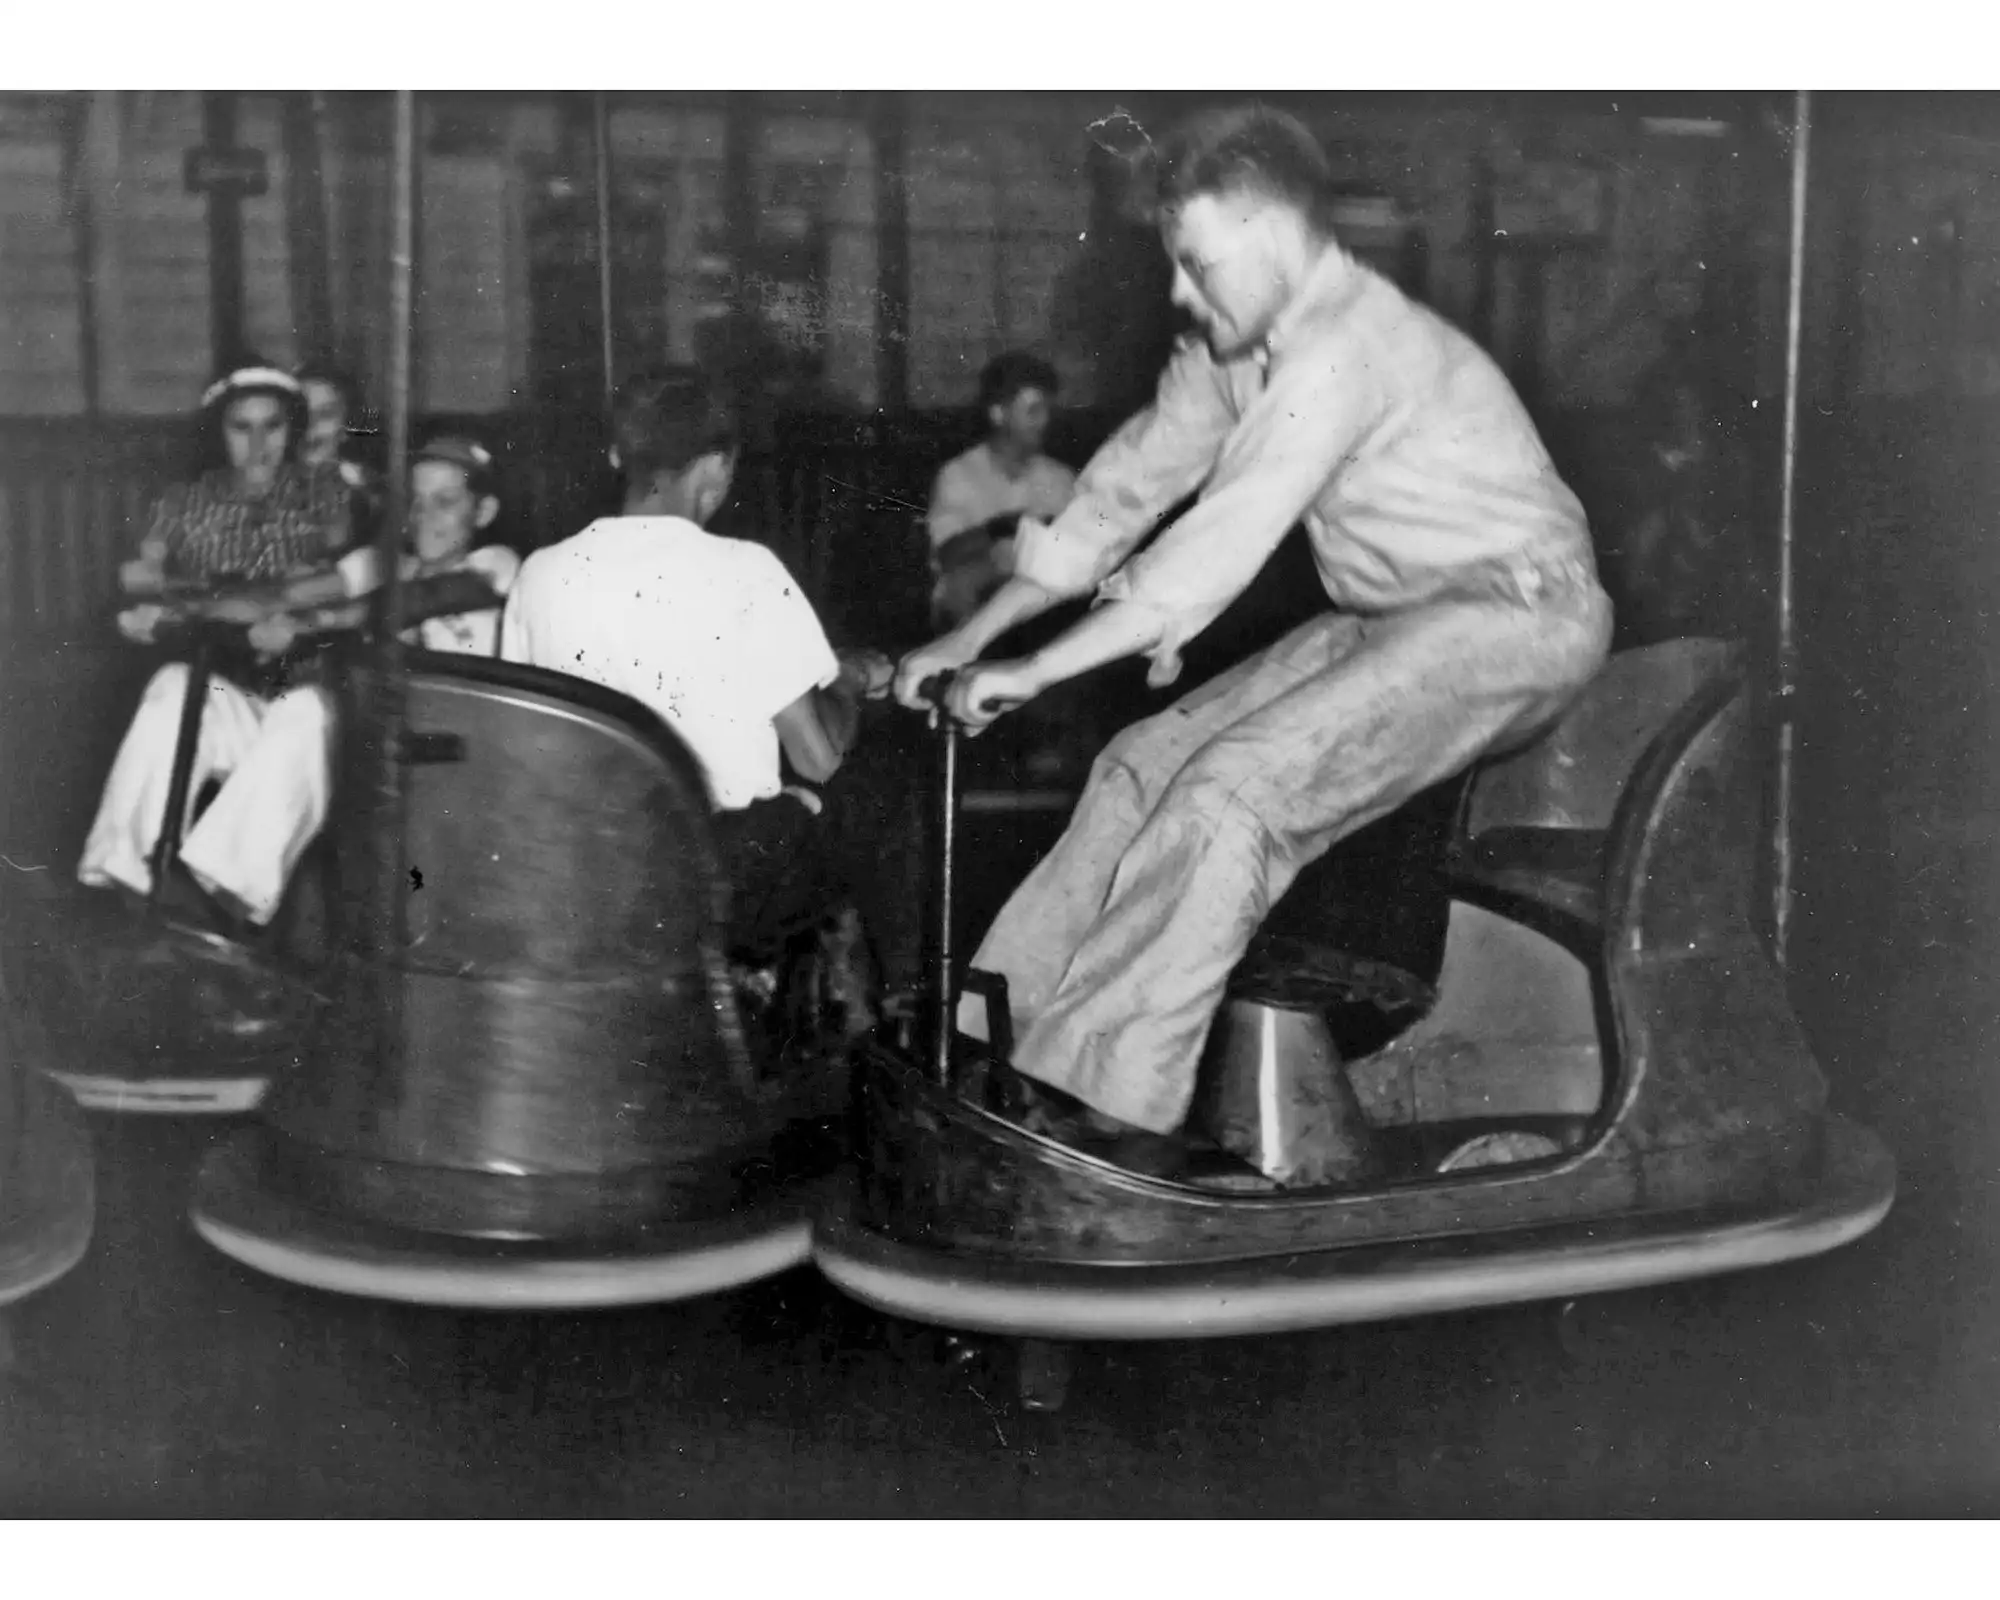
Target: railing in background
pixel 839 499
pixel 72 496
pixel 841 504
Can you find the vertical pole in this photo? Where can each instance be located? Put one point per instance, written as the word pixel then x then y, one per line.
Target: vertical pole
pixel 601 138
pixel 225 237
pixel 398 325
pixel 385 710
pixel 892 247
pixel 739 200
pixel 947 870
pixel 83 235
pixel 306 228
pixel 1788 666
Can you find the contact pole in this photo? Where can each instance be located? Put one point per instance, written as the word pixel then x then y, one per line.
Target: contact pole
pixel 389 536
pixel 386 691
pixel 947 866
pixel 601 137
pixel 1788 654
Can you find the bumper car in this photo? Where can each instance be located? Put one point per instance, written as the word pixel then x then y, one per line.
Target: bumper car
pixel 1603 1088
pixel 160 1004
pixel 47 1177
pixel 533 1087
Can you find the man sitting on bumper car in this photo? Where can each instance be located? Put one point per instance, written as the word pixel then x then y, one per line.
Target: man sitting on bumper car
pixel 1465 614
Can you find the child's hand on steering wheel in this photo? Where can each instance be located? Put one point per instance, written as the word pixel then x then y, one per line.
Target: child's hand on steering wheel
pixel 140 623
pixel 274 635
pixel 245 610
pixel 980 694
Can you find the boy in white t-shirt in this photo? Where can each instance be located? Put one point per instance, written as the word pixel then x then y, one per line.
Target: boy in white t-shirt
pixel 715 637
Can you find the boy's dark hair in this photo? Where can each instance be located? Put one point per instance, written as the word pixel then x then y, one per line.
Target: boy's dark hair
pixel 469 456
pixel 666 420
pixel 338 379
pixel 1256 148
pixel 1007 375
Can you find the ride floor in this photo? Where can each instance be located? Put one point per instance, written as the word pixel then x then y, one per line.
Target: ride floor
pixel 161 1379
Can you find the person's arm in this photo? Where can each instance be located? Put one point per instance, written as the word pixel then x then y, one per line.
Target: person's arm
pixel 953 509
pixel 146 574
pixel 1151 462
pixel 444 595
pixel 1309 419
pixel 813 747
pixel 316 589
pixel 1157 458
pixel 818 729
pixel 790 673
pixel 982 692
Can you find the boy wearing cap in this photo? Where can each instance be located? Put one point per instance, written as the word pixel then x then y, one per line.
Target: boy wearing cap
pixel 460 584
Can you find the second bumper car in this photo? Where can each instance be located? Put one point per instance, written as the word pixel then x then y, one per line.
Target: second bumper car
pixel 1608 1090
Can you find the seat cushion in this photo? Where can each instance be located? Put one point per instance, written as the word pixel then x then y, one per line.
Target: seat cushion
pixel 1562 868
pixel 1303 973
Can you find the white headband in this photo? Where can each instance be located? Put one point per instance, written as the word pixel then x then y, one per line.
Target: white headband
pixel 250 378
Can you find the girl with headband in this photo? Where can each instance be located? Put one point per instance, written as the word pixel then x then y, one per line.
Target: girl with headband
pixel 262 517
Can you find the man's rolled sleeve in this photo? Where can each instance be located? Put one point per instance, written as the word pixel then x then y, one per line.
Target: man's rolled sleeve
pixel 1291 441
pixel 1152 461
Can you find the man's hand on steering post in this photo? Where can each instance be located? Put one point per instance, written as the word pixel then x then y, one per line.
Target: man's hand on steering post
pixel 981 694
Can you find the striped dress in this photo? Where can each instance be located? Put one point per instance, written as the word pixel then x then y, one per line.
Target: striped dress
pixel 212 529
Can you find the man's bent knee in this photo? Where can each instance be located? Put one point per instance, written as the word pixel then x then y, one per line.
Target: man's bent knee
pixel 1578 644
pixel 1137 753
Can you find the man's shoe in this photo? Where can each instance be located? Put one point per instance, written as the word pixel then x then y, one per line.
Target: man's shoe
pixel 1037 1108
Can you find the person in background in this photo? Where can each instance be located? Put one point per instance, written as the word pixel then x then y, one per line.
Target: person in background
pixel 978 496
pixel 714 636
pixel 460 585
pixel 262 518
pixel 1683 564
pixel 333 403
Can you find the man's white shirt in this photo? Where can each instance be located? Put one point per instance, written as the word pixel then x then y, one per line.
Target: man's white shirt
pixel 712 634
pixel 973 489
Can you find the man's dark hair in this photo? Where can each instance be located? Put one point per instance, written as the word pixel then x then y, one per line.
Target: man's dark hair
pixel 667 420
pixel 1253 148
pixel 1007 375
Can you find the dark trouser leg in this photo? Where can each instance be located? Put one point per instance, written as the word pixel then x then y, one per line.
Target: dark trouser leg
pixel 772 858
pixel 1418 697
pixel 874 831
